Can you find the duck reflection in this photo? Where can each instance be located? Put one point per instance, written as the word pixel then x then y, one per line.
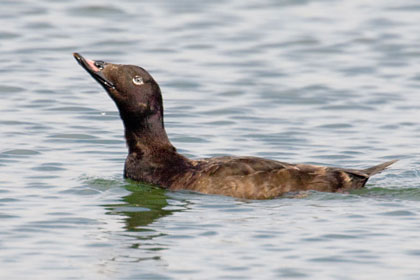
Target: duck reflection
pixel 144 205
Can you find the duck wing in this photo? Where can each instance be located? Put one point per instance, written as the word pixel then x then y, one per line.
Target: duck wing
pixel 239 166
pixel 257 178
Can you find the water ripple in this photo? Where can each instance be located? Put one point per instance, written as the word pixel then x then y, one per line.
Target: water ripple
pixel 323 82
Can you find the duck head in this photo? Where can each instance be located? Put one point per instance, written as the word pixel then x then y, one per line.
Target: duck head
pixel 133 89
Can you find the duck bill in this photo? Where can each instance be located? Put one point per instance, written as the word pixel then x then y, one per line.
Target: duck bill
pixel 93 70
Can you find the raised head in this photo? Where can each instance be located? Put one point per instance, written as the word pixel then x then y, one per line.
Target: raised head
pixel 136 94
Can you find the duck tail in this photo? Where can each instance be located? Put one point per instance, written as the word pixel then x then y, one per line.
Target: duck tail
pixel 378 168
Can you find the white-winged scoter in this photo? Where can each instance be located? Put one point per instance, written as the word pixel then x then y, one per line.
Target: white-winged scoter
pixel 153 159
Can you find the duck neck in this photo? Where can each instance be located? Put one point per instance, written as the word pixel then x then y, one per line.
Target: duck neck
pixel 151 156
pixel 147 133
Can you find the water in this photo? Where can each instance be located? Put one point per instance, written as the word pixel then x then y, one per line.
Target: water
pixel 326 82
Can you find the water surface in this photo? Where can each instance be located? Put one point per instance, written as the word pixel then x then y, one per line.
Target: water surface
pixel 324 82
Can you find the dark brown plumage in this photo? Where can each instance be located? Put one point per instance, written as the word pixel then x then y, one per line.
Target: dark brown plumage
pixel 152 158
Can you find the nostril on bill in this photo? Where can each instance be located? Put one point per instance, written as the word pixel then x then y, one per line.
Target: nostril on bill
pixel 100 64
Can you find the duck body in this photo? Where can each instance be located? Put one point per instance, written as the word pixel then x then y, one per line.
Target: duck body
pixel 257 178
pixel 246 177
pixel 153 159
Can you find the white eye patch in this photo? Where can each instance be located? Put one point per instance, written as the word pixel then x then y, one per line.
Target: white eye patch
pixel 137 80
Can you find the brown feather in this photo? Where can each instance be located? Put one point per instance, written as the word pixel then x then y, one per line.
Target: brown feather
pixel 152 158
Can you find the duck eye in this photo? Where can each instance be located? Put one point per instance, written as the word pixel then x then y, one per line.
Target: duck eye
pixel 137 80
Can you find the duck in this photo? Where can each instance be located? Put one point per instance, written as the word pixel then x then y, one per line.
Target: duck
pixel 152 159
